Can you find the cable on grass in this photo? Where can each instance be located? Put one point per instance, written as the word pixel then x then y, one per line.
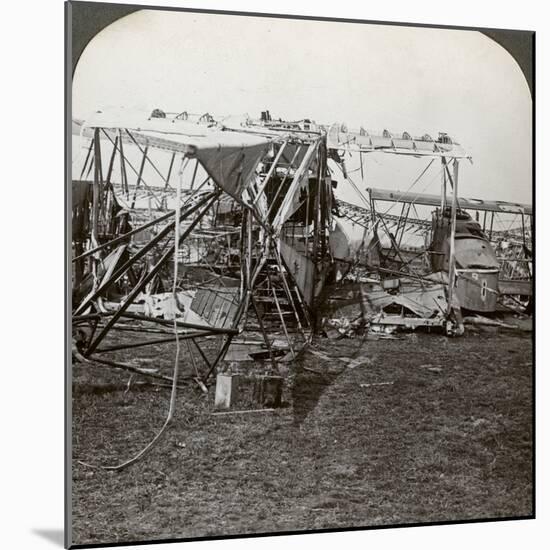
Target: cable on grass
pixel 173 393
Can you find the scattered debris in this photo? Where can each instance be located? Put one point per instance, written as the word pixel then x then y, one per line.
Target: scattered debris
pixel 479 320
pixel 431 368
pixel 376 384
pixel 353 363
pixel 241 390
pixel 244 411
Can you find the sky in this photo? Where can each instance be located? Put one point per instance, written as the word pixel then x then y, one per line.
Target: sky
pixel 375 76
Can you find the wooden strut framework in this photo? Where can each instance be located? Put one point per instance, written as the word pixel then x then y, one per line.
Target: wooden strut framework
pixel 370 218
pixel 277 183
pixel 284 210
pixel 516 232
pixel 515 266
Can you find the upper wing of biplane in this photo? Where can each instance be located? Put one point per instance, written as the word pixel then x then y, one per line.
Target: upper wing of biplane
pixel 229 157
pixel 229 154
pixel 400 144
pixel 464 203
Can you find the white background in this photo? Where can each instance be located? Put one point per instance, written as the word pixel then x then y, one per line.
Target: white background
pixel 32 272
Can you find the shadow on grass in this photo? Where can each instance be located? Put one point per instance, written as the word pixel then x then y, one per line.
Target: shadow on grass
pixel 307 389
pixel 315 373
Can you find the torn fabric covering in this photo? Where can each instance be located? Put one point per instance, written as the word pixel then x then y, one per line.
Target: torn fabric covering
pixel 232 168
pixel 290 150
pixel 104 270
pixel 425 302
pixel 229 157
pixel 339 243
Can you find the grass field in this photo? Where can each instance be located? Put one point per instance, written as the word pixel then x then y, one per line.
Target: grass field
pixel 426 429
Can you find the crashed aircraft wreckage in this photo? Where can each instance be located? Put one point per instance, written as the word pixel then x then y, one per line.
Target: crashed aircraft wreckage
pixel 252 237
pixel 247 214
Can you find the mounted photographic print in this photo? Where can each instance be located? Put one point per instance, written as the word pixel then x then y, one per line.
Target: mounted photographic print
pixel 300 275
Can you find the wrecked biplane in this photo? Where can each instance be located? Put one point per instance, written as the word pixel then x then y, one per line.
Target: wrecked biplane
pixel 477 263
pixel 247 210
pixel 251 238
pixel 491 263
pixel 397 287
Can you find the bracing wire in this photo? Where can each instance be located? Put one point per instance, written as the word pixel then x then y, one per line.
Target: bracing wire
pixel 417 179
